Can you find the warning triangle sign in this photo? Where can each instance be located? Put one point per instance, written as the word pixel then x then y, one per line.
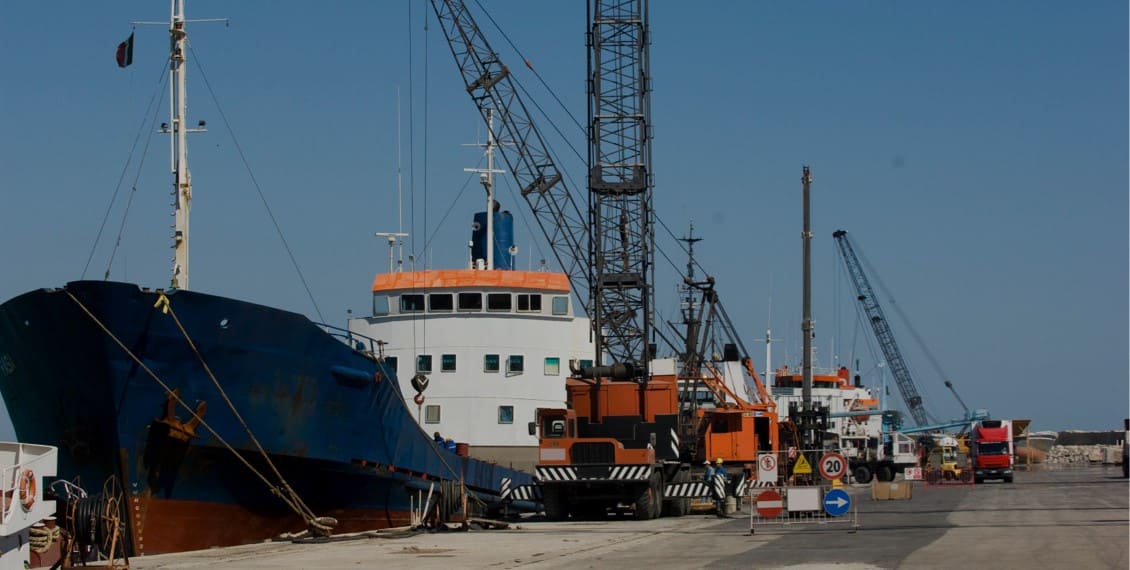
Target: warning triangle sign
pixel 802 467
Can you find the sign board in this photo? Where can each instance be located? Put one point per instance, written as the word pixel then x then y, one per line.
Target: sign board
pixel 767 468
pixel 803 499
pixel 913 473
pixel 802 467
pixel 832 466
pixel 769 504
pixel 836 502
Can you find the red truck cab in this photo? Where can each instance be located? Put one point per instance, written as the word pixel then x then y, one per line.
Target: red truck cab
pixel 992 450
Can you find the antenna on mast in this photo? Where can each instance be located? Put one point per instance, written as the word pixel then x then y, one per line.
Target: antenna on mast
pixel 769 374
pixel 393 238
pixel 486 176
pixel 399 197
pixel 396 239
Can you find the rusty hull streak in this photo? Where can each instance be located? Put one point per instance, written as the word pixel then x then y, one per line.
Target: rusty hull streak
pixel 229 525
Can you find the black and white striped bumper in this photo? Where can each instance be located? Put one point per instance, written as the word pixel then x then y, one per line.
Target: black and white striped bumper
pixel 546 473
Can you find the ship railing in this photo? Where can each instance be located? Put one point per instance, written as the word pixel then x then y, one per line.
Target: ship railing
pixel 365 345
pixel 22 469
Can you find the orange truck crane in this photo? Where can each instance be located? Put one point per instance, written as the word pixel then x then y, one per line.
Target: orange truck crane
pixel 618 445
pixel 639 445
pixel 628 435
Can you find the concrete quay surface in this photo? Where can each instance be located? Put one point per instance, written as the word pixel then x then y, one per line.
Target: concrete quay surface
pixel 1049 518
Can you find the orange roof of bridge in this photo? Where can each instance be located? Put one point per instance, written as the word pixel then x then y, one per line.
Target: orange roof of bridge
pixel 471 278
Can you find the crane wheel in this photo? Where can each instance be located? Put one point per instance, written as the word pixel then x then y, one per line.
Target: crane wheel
pixel 650 500
pixel 554 506
pixel 679 507
pixel 657 484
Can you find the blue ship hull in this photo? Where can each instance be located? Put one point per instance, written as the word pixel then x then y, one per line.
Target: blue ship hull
pixel 330 416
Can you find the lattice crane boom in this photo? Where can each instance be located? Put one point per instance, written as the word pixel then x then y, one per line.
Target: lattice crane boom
pixel 522 146
pixel 886 338
pixel 620 181
pixel 610 266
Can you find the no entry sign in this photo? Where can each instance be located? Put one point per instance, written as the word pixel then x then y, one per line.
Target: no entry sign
pixel 769 504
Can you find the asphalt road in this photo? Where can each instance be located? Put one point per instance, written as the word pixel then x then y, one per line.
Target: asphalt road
pixel 1046 519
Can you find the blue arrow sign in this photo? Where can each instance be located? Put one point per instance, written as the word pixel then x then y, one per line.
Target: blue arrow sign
pixel 836 502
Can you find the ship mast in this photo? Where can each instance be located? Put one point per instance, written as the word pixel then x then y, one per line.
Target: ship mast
pixel 488 184
pixel 182 181
pixel 486 177
pixel 178 142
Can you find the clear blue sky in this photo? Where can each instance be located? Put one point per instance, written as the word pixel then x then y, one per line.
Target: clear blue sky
pixel 976 151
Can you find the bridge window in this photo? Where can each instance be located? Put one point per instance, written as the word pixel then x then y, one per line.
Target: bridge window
pixel 431 414
pixel 470 301
pixel 391 363
pixel 380 305
pixel 506 414
pixel 516 364
pixel 412 303
pixel 529 303
pixel 561 305
pixel 439 302
pixel 424 363
pixel 447 363
pixel 490 363
pixel 499 301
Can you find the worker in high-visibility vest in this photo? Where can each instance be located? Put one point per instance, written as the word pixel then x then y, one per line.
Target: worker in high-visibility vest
pixel 708 478
pixel 720 474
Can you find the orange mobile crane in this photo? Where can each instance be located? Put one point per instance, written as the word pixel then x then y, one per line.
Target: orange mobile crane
pixel 623 443
pixel 630 433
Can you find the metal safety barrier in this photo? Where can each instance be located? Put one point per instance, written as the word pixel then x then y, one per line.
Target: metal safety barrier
pixel 786 506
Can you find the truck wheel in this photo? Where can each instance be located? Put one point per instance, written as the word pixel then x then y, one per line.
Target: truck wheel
pixel 1008 479
pixel 679 507
pixel 886 473
pixel 657 485
pixel 554 506
pixel 862 474
pixel 978 480
pixel 649 501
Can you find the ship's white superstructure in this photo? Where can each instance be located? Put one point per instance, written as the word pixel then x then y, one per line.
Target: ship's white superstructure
pixel 491 346
pixel 847 403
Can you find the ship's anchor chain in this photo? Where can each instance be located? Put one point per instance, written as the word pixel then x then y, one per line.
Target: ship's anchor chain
pixel 317 526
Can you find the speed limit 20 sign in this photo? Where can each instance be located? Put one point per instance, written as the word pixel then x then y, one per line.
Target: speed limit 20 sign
pixel 832 466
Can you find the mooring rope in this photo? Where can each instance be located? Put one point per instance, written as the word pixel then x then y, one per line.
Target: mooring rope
pixel 166 307
pixel 315 523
